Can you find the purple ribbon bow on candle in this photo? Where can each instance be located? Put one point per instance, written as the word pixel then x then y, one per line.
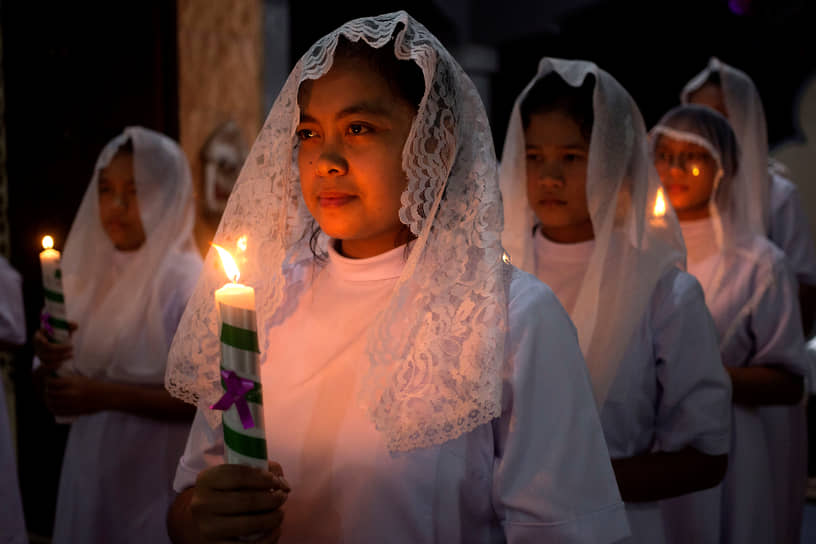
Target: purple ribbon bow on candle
pixel 45 323
pixel 237 388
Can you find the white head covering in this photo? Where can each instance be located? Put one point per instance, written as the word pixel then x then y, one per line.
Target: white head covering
pixel 730 207
pixel 633 248
pixel 110 305
pixel 436 351
pixel 747 118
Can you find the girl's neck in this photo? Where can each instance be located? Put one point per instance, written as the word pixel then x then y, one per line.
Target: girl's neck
pixel 570 234
pixel 694 213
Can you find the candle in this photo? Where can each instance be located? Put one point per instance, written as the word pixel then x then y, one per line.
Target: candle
pixel 242 402
pixel 53 293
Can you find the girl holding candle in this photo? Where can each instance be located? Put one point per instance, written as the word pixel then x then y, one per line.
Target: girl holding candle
pixel 752 296
pixel 128 268
pixel 416 387
pixel 582 209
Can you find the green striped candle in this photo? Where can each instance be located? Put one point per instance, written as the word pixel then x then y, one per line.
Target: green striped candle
pixel 244 437
pixel 52 291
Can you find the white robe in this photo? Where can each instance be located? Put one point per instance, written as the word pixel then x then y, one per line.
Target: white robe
pixel 12 331
pixel 538 473
pixel 757 316
pixel 789 229
pixel 117 473
pixel 671 390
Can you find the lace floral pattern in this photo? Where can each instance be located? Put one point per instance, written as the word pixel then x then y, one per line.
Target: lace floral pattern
pixel 435 353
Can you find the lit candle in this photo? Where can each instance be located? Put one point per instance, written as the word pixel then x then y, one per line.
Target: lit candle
pixel 242 402
pixel 53 293
pixel 659 211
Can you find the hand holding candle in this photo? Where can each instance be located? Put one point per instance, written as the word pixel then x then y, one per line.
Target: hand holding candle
pixel 242 402
pixel 54 317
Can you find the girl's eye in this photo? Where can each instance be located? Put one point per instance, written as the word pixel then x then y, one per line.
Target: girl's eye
pixel 305 134
pixel 572 157
pixel 357 129
pixel 533 156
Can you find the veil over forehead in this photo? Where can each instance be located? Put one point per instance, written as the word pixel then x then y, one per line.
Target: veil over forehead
pixel 104 301
pixel 633 246
pixel 435 352
pixel 747 117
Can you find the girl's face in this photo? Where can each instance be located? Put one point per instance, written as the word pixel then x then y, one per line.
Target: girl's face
pixel 688 173
pixel 709 95
pixel 352 129
pixel 556 155
pixel 118 205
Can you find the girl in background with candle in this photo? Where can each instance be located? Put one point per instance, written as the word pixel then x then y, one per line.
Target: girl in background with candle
pixel 129 266
pixel 752 295
pixel 416 387
pixel 579 194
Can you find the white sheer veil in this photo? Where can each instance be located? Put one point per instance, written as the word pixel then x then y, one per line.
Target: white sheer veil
pixel 436 351
pixel 747 117
pixel 110 306
pixel 634 247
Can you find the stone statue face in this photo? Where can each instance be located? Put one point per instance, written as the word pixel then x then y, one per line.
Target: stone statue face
pixel 222 157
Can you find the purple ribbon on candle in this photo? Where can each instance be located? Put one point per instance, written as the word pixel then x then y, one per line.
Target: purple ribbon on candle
pixel 237 388
pixel 45 323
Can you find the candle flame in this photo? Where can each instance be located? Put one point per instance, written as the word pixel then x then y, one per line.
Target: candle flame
pixel 660 204
pixel 229 263
pixel 47 242
pixel 695 171
pixel 242 243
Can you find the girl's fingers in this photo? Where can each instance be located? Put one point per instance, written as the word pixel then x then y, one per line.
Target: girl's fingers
pixel 233 527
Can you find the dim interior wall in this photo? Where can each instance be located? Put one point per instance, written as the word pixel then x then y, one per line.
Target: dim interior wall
pixel 799 154
pixel 219 63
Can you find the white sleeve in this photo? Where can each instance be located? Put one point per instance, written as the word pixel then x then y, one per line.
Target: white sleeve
pixel 204 449
pixel 552 477
pixel 694 407
pixel 790 231
pixel 12 315
pixel 776 325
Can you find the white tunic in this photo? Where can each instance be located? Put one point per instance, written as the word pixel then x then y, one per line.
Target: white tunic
pixel 538 473
pixel 756 312
pixel 671 390
pixel 118 468
pixel 789 229
pixel 12 332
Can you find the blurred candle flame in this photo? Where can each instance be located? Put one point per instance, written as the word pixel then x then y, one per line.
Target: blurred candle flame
pixel 229 264
pixel 695 171
pixel 242 243
pixel 47 242
pixel 660 204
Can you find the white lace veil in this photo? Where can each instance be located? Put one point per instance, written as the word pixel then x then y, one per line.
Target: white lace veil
pixel 436 351
pixel 110 306
pixel 728 207
pixel 747 118
pixel 633 247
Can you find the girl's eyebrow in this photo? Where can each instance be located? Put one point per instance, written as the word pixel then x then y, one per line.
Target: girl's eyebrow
pixel 370 108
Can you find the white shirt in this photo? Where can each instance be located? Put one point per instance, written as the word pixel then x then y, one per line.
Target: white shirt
pixel 752 296
pixel 540 472
pixel 790 230
pixel 671 390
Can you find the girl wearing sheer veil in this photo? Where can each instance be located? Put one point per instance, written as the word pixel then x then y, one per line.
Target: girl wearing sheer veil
pixel 752 296
pixel 128 268
pixel 775 199
pixel 581 199
pixel 416 387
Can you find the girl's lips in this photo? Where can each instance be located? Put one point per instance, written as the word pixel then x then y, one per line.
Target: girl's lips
pixel 548 202
pixel 334 200
pixel 676 188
